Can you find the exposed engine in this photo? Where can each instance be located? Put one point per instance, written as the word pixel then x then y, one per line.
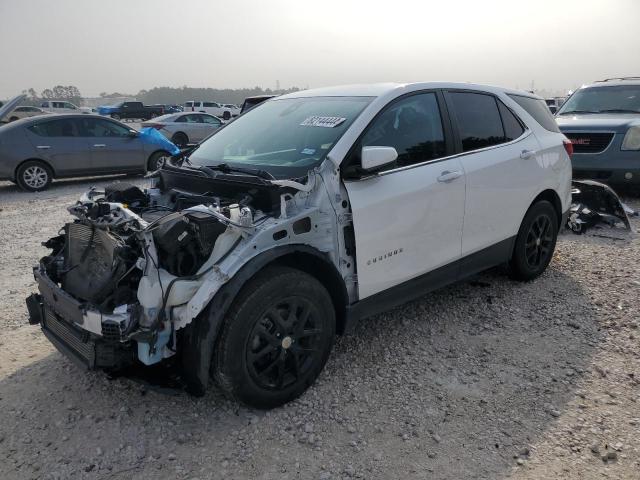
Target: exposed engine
pixel 122 234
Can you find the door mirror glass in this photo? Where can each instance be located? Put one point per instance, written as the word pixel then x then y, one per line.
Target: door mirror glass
pixel 376 157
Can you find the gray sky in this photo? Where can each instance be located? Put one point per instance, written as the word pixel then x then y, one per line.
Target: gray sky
pixel 128 45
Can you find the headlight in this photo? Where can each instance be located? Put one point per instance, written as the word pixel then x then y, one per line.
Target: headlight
pixel 631 139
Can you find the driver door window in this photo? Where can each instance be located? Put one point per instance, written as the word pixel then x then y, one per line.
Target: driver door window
pixel 413 127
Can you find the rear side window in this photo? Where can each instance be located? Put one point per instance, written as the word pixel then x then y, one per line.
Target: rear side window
pixel 479 121
pixel 512 126
pixel 58 128
pixel 538 109
pixel 209 104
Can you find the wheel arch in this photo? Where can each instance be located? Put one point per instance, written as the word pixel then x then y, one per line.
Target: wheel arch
pixel 197 340
pixel 33 159
pixel 554 199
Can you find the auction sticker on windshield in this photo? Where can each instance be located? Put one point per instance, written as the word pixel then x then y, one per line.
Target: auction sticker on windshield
pixel 327 122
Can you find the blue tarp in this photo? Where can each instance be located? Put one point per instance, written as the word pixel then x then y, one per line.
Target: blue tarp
pixel 154 137
pixel 106 110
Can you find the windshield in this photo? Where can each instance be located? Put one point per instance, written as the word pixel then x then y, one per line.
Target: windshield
pixel 285 137
pixel 621 99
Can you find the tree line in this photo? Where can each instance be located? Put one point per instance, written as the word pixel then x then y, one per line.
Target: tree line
pixel 156 95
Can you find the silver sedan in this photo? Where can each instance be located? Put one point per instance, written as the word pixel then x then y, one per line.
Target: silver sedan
pixel 185 128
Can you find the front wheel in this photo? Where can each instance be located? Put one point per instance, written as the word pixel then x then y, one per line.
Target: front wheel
pixel 157 160
pixel 535 243
pixel 276 340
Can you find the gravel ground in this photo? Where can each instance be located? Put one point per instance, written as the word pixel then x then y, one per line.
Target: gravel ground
pixel 487 378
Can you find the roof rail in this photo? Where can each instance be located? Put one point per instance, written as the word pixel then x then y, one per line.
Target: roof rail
pixel 617 78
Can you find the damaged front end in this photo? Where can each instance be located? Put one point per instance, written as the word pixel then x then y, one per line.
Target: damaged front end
pixel 135 267
pixel 595 204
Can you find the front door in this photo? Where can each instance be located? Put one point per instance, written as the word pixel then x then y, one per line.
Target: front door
pixel 408 216
pixel 112 146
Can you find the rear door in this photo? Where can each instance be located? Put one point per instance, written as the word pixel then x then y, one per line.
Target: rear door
pixel 407 217
pixel 499 157
pixel 59 143
pixel 112 145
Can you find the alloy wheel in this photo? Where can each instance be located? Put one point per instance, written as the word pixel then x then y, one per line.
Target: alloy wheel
pixel 539 241
pixel 284 344
pixel 35 177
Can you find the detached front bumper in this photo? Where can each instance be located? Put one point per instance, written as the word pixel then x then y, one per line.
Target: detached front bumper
pixel 72 328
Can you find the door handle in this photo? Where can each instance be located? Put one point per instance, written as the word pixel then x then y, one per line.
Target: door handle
pixel 447 176
pixel 43 147
pixel 527 154
pixel 99 145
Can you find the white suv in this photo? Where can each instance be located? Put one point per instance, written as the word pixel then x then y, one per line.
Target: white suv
pixel 212 108
pixel 304 215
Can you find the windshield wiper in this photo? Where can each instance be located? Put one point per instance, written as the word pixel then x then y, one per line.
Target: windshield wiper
pixel 578 111
pixel 619 110
pixel 226 168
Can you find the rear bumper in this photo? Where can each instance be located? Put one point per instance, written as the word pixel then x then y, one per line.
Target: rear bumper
pixel 64 321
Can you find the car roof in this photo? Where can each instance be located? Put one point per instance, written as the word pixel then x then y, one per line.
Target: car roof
pixel 384 89
pixel 614 82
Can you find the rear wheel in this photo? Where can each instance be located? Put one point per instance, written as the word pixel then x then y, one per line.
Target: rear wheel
pixel 180 139
pixel 226 115
pixel 276 340
pixel 115 116
pixel 33 176
pixel 535 243
pixel 13 119
pixel 157 160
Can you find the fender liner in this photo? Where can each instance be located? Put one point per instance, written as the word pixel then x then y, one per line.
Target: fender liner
pixel 197 340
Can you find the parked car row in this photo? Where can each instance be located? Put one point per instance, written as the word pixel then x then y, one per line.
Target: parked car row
pixel 224 111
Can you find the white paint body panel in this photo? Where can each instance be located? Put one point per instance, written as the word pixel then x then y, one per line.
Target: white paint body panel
pixel 406 223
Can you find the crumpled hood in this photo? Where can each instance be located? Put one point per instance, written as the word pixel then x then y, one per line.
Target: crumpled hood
pixel 610 122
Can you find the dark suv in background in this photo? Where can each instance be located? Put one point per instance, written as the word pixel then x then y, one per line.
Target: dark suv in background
pixel 602 120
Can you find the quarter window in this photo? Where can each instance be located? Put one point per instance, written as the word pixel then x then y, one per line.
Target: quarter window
pixel 537 108
pixel 412 126
pixel 478 119
pixel 512 126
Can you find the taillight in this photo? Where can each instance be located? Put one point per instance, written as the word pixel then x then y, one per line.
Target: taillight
pixel 568 146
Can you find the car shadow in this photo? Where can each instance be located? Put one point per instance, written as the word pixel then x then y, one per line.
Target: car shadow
pixel 457 382
pixel 65 186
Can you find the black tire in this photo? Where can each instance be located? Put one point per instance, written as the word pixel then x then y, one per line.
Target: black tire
pixel 156 160
pixel 180 139
pixel 226 115
pixel 34 176
pixel 115 116
pixel 535 243
pixel 13 119
pixel 264 359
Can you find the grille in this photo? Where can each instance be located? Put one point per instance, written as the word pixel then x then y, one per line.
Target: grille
pixel 69 338
pixel 589 142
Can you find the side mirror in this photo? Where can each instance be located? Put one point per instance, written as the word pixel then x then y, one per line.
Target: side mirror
pixel 375 157
pixel 133 134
